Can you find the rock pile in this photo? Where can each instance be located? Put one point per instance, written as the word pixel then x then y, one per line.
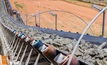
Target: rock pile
pixel 94 54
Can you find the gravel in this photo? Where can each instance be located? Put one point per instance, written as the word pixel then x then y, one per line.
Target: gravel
pixel 94 54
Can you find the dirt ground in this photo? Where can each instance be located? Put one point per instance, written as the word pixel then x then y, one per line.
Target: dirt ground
pixel 65 21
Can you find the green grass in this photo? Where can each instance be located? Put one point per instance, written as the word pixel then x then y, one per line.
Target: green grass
pixel 81 3
pixel 62 25
pixel 19 6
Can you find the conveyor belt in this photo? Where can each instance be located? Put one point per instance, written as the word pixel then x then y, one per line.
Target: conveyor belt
pixel 24 50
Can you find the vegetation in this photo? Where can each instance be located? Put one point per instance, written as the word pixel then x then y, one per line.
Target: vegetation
pixel 89 2
pixel 19 6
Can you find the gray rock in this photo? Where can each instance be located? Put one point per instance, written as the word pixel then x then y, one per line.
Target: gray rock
pixel 57 44
pixel 105 50
pixel 105 59
pixel 100 62
pixel 65 41
pixel 102 45
pixel 95 46
pixel 83 47
pixel 78 53
pixel 92 52
pixel 32 33
pixel 58 40
pixel 48 41
pixel 90 60
pixel 45 37
pixel 52 36
pixel 64 48
pixel 27 32
pixel 74 40
pixel 82 42
pixel 74 43
pixel 99 57
pixel 37 38
pixel 81 50
pixel 57 37
pixel 70 46
pixel 31 29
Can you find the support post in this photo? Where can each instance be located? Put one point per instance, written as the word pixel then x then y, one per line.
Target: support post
pixel 35 20
pixel 39 20
pixel 103 27
pixel 26 18
pixel 37 59
pixel 55 21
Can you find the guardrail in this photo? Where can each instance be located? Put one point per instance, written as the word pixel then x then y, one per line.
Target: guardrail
pixel 56 17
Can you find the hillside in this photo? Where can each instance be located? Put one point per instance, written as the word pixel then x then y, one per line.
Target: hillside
pixel 66 21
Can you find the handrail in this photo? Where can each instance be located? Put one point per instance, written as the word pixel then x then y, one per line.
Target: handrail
pixel 63 11
pixel 46 22
pixel 40 18
pixel 84 33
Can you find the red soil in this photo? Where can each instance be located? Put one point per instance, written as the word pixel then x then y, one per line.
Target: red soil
pixel 66 22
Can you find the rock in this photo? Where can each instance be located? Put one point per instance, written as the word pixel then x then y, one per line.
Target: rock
pixel 37 35
pixel 31 33
pixel 70 46
pixel 57 37
pixel 78 53
pixel 48 41
pixel 82 42
pixel 99 57
pixel 37 38
pixel 23 29
pixel 61 48
pixel 105 50
pixel 58 40
pixel 90 60
pixel 44 34
pixel 65 48
pixel 31 29
pixel 27 32
pixel 74 43
pixel 65 41
pixel 105 62
pixel 74 40
pixel 100 62
pixel 81 50
pixel 57 44
pixel 52 36
pixel 45 37
pixel 95 46
pixel 83 47
pixel 105 59
pixel 102 45
pixel 92 52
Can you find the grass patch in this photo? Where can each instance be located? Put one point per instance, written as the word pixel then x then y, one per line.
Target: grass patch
pixel 62 25
pixel 37 6
pixel 19 6
pixel 81 3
